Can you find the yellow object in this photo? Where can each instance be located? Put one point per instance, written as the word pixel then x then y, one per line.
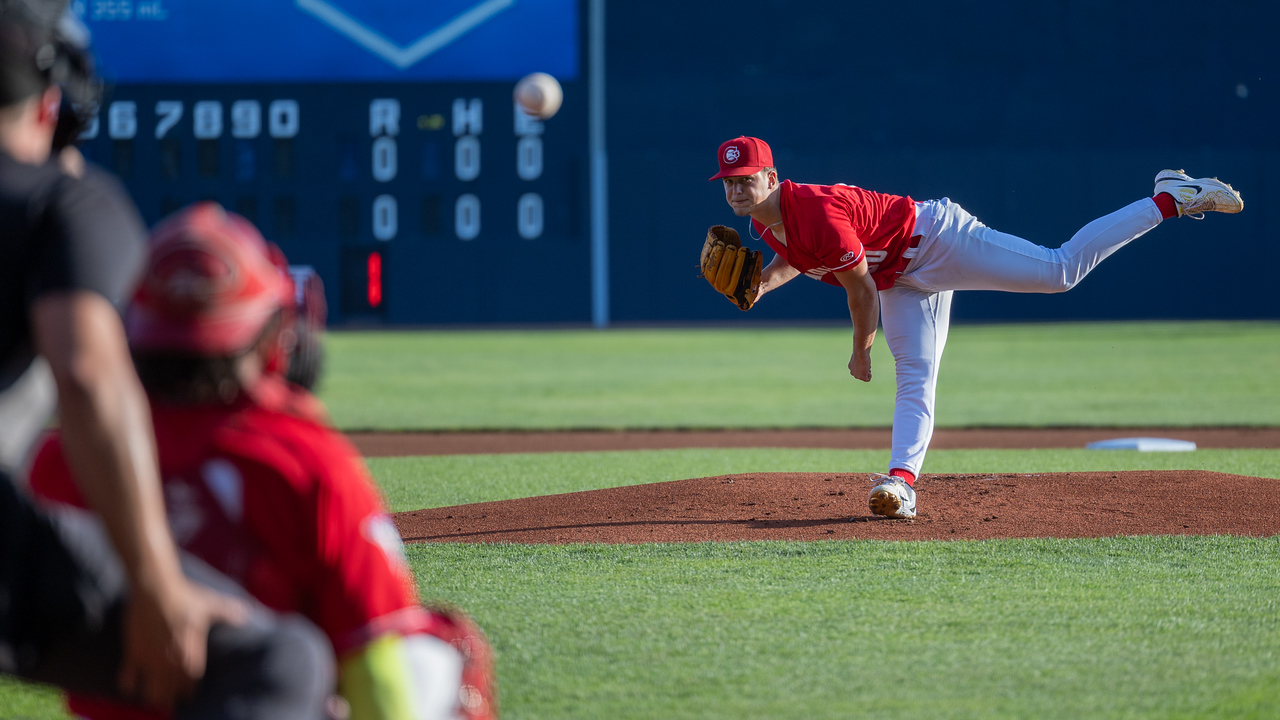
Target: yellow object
pixel 375 681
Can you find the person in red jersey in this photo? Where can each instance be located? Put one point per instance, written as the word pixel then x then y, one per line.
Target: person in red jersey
pixel 103 603
pixel 899 262
pixel 257 485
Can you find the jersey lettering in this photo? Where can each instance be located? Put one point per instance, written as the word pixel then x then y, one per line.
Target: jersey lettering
pixel 874 258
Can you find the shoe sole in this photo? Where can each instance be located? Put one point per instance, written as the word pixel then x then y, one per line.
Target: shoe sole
pixel 1223 200
pixel 1226 199
pixel 885 503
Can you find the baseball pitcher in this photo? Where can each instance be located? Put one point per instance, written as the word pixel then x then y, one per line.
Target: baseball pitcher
pixel 900 260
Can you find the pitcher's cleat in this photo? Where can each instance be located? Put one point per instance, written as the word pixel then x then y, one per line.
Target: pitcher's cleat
pixel 1196 196
pixel 892 497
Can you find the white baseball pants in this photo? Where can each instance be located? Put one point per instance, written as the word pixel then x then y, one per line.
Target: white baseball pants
pixel 957 252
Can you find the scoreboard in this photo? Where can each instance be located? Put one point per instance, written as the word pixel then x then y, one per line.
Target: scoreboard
pixel 375 141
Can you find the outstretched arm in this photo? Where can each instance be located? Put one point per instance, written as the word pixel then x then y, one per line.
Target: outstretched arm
pixel 775 274
pixel 864 310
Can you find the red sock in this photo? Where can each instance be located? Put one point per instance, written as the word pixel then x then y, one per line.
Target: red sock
pixel 1168 206
pixel 907 476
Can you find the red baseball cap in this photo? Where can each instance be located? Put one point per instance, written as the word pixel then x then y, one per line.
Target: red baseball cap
pixel 743 156
pixel 210 286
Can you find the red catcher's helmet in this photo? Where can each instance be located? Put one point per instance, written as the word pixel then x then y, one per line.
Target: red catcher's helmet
pixel 210 285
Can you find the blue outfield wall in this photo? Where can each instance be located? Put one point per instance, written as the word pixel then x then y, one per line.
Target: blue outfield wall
pixel 377 141
pixel 1036 117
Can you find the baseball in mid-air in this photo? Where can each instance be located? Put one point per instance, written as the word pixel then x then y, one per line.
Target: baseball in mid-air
pixel 539 94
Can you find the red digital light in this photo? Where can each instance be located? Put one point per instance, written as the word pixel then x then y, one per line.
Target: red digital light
pixel 374 287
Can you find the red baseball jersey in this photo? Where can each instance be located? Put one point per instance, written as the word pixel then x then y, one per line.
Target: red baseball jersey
pixel 833 227
pixel 280 503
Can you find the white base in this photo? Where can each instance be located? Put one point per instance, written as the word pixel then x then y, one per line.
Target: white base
pixel 1143 444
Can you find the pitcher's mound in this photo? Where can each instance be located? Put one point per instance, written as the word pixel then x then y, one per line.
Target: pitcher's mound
pixel 830 506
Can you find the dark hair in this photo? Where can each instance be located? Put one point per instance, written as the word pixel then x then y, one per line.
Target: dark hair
pixel 183 379
pixel 43 43
pixel 179 378
pixel 20 75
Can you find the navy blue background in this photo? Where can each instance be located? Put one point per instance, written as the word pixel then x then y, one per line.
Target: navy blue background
pixel 1036 117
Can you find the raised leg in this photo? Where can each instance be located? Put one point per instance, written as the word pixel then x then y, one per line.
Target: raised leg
pixel 960 253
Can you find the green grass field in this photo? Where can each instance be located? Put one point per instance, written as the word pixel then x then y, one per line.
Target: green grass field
pixel 1123 627
pixel 1143 627
pixel 1115 374
pixel 1147 627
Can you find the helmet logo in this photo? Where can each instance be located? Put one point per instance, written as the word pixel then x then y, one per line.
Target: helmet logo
pixel 731 154
pixel 187 278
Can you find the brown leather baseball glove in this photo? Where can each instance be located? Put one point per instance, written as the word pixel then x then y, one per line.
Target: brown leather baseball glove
pixel 732 269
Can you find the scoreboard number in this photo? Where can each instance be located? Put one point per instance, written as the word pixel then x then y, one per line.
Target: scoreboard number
pixel 122 120
pixel 384 159
pixel 208 120
pixel 283 122
pixel 466 217
pixel 529 216
pixel 529 158
pixel 246 119
pixel 283 119
pixel 385 217
pixel 168 112
pixel 466 158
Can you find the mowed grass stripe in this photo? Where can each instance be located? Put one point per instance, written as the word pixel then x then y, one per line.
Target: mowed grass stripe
pixel 413 483
pixel 1086 374
pixel 1138 627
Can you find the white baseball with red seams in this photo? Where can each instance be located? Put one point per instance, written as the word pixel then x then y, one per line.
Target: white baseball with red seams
pixel 539 94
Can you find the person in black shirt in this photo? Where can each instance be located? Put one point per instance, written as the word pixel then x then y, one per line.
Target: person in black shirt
pixel 128 624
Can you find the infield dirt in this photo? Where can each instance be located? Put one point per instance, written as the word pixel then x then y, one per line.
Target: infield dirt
pixel 828 506
pixel 825 506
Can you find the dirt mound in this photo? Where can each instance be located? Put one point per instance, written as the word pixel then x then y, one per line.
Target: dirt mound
pixel 828 506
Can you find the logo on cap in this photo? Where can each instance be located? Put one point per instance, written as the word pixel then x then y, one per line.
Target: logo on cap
pixel 731 154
